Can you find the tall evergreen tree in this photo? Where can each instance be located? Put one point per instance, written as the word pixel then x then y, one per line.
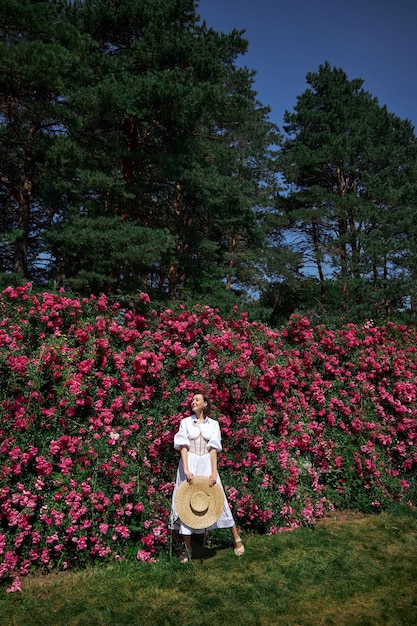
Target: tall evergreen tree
pixel 172 140
pixel 347 162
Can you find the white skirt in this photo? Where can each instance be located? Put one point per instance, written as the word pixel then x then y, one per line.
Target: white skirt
pixel 199 466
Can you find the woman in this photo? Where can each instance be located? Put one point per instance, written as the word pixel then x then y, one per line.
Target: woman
pixel 199 440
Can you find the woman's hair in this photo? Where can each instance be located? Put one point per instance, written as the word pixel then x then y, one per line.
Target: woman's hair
pixel 206 410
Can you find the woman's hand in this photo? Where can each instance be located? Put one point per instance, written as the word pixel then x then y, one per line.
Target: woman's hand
pixel 190 477
pixel 212 479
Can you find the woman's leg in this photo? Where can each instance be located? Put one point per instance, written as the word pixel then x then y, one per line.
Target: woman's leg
pixel 187 555
pixel 239 547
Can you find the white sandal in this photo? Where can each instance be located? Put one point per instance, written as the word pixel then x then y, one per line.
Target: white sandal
pixel 185 555
pixel 241 550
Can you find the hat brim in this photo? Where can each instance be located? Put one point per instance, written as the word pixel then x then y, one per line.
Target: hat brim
pixel 215 503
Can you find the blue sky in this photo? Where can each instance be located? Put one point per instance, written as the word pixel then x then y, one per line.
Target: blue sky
pixel 375 40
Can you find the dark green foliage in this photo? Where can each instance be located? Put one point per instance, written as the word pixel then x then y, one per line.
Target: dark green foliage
pixel 107 254
pixel 39 55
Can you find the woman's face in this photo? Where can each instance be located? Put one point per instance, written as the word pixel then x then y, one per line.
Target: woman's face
pixel 198 403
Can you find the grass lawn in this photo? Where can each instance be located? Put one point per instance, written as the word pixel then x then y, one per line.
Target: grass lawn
pixel 349 570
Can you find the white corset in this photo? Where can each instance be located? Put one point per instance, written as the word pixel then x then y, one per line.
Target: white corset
pixel 198 446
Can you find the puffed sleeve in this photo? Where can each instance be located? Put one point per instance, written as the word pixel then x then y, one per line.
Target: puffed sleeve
pixel 181 437
pixel 215 436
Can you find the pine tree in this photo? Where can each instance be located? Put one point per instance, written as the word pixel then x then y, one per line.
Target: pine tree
pixel 172 140
pixel 36 60
pixel 348 161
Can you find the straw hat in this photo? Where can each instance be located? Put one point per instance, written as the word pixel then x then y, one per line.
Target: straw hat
pixel 198 505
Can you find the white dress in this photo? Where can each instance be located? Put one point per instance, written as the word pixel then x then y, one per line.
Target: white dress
pixel 198 438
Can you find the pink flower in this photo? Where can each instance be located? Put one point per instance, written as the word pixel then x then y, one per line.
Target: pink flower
pixel 143 555
pixel 15 586
pixel 43 467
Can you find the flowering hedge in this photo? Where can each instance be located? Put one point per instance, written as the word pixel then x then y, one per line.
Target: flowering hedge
pixel 92 393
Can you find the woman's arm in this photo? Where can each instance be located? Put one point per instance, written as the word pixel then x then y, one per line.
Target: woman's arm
pixel 184 459
pixel 213 460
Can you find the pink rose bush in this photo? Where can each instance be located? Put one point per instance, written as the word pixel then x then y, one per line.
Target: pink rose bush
pixel 91 394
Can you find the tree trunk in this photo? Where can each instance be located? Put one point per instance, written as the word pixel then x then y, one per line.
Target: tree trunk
pixel 317 256
pixel 20 261
pixel 22 196
pixel 231 262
